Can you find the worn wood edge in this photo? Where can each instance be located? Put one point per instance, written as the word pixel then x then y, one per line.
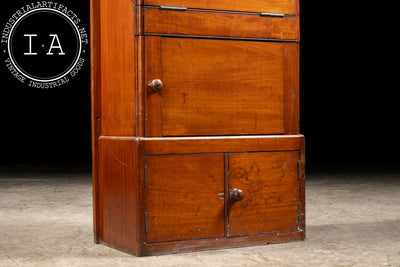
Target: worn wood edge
pixel 218 243
pixel 302 223
pixel 221 144
pixel 95 109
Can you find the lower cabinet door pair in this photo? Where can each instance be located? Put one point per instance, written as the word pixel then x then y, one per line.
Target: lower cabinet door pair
pixel 221 195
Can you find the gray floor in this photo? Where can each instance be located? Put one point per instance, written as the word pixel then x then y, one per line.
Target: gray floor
pixel 353 219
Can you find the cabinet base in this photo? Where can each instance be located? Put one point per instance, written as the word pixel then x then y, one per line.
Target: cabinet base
pixel 146 203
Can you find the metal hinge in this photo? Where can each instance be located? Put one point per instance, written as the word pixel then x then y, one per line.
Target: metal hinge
pixel 299 215
pixel 145 176
pixel 177 8
pixel 272 15
pixel 146 219
pixel 299 169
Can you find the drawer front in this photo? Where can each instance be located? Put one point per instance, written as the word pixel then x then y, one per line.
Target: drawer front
pixel 273 6
pixel 184 197
pixel 219 24
pixel 219 87
pixel 270 183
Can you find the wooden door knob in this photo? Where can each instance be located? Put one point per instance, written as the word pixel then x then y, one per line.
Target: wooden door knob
pixel 155 85
pixel 236 195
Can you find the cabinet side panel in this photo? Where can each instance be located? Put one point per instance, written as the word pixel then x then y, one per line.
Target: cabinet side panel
pixel 118 68
pixel 118 192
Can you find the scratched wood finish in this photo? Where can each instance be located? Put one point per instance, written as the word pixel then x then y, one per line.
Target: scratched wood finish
pixel 208 91
pixel 272 6
pixel 118 68
pixel 184 197
pixel 271 188
pixel 118 187
pixel 219 24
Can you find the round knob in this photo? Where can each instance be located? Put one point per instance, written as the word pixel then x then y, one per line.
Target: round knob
pixel 155 85
pixel 236 195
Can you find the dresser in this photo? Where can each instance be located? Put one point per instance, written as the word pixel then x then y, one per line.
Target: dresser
pixel 195 124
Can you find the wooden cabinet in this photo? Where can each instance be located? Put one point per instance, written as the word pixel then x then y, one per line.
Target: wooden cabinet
pixel 195 111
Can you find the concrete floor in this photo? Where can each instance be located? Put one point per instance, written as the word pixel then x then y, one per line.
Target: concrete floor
pixel 353 219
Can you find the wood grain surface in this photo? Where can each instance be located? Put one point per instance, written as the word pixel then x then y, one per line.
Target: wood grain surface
pixel 184 197
pixel 219 87
pixel 118 188
pixel 219 24
pixel 118 68
pixel 271 192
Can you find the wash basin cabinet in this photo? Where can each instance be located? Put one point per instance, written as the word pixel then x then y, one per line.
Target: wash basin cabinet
pixel 195 124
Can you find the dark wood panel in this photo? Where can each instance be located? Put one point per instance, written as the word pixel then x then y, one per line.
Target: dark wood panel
pixel 219 24
pixel 271 192
pixel 118 188
pixel 272 6
pixel 187 145
pixel 118 72
pixel 183 197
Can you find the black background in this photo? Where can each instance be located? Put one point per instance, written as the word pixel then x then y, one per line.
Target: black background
pixel 40 126
pixel 349 103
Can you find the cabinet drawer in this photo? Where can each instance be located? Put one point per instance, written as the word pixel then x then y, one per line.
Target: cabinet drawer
pixel 273 6
pixel 219 24
pixel 220 87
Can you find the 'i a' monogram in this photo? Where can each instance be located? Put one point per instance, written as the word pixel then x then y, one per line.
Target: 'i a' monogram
pixel 55 44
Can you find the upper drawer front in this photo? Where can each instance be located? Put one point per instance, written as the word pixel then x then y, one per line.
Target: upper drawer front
pixel 219 24
pixel 274 6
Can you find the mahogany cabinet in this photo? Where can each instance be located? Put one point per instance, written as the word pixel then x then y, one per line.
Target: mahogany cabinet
pixel 195 124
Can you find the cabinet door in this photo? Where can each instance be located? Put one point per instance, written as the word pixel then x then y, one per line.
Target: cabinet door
pixel 184 197
pixel 270 186
pixel 219 87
